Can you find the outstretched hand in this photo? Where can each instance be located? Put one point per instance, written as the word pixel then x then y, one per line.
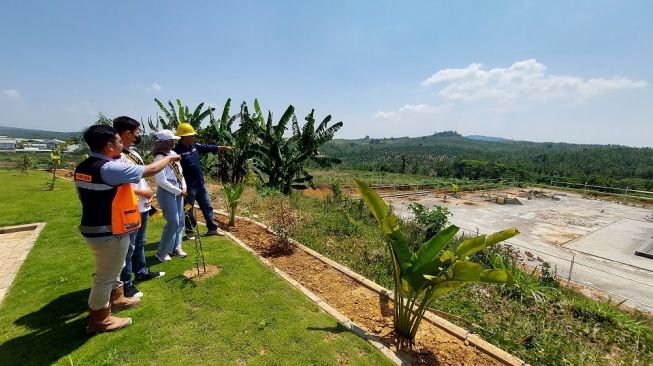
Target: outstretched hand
pixel 226 148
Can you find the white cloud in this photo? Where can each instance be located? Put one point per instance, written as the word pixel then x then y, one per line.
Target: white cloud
pixel 155 87
pixel 414 109
pixel 452 74
pixel 417 108
pixel 12 93
pixel 384 115
pixel 523 79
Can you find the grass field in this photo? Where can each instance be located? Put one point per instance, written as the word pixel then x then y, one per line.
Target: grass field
pixel 246 315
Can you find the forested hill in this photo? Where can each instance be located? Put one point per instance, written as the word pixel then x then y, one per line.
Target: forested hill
pixel 451 155
pixel 35 134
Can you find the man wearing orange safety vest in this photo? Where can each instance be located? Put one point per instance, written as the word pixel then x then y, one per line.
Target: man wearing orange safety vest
pixel 109 213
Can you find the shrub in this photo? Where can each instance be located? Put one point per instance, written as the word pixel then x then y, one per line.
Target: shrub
pixel 265 191
pixel 25 164
pixel 526 287
pixel 430 220
pixel 284 221
pixel 336 191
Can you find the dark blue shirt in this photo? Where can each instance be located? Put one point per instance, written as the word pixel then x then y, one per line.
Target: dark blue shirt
pixel 190 161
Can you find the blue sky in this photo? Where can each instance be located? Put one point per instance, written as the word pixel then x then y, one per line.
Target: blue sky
pixel 575 71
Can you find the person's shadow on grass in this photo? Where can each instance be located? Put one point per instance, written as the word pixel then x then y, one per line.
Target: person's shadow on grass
pixel 54 333
pixel 152 246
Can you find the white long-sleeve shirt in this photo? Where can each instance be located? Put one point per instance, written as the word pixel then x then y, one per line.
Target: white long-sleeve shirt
pixel 167 179
pixel 143 203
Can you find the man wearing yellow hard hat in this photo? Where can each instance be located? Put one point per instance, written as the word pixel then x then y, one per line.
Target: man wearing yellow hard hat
pixel 196 190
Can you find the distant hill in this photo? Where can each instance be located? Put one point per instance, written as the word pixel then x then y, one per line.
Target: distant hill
pixel 35 134
pixel 487 138
pixel 447 154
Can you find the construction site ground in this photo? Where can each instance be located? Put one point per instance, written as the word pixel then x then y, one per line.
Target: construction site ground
pixel 555 227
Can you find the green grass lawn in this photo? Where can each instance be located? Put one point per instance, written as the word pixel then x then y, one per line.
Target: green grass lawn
pixel 246 315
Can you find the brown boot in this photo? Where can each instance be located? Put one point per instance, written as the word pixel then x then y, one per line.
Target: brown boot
pixel 102 321
pixel 120 302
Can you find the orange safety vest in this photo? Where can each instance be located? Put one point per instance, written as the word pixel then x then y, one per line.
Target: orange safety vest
pixel 125 216
pixel 106 210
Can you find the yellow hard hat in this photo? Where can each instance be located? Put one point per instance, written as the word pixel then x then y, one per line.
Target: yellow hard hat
pixel 185 129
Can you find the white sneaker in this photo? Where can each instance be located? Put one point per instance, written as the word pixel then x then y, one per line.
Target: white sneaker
pixel 164 259
pixel 179 253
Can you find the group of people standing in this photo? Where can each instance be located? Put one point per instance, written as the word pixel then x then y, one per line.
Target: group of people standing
pixel 116 204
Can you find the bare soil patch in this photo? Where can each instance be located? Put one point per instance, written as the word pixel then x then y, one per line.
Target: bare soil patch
pixel 211 271
pixel 367 308
pixel 319 192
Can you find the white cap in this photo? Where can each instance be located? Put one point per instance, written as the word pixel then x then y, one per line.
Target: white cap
pixel 165 135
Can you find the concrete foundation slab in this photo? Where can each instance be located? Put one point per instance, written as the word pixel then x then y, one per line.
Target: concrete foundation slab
pixel 618 242
pixel 601 237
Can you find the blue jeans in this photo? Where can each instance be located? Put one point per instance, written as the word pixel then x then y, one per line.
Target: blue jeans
pixel 198 192
pixel 173 211
pixel 135 260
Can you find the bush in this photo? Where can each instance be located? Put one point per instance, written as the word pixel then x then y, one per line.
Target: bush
pixel 336 192
pixel 430 220
pixel 25 164
pixel 284 221
pixel 527 287
pixel 265 191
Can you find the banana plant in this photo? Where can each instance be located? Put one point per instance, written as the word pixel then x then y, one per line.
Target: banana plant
pixel 232 193
pixel 282 160
pixel 55 162
pixel 56 157
pixel 233 166
pixel 421 277
pixel 181 114
pixel 310 138
pixel 275 153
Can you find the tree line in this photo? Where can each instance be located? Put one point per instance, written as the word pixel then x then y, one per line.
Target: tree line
pixel 451 155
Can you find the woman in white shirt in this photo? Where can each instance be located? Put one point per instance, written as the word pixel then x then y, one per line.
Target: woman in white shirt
pixel 170 193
